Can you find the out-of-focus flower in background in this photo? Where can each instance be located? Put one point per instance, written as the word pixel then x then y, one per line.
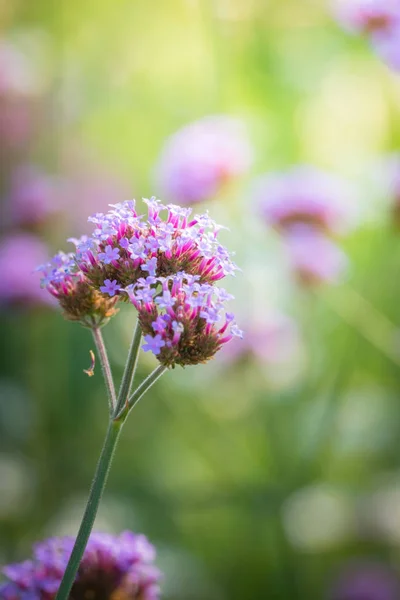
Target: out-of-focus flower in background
pixel 367 16
pixel 275 339
pixel 33 197
pixel 20 254
pixel 313 257
pixel 390 182
pixel 379 20
pixel 199 159
pixel 306 205
pixel 20 89
pixel 304 194
pixel 112 567
pixel 366 580
pixel 273 344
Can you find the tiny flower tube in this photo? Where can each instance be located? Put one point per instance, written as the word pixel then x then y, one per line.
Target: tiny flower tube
pixel 126 247
pixel 200 158
pixel 184 322
pixel 113 566
pixel 76 296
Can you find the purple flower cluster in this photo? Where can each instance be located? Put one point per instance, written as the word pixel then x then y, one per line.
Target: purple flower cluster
pixel 112 567
pixel 76 296
pixel 124 247
pixel 200 158
pixel 307 206
pixel 166 265
pixel 184 321
pixel 379 20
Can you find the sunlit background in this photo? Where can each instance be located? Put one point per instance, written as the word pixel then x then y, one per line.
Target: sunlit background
pixel 274 470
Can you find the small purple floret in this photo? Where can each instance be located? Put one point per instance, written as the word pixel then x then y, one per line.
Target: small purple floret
pixel 110 287
pixel 153 344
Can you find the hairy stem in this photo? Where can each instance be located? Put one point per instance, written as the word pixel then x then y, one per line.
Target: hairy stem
pixel 145 385
pixel 96 492
pixel 130 368
pixel 106 369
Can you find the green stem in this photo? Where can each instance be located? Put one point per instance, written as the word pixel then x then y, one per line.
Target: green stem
pixel 99 481
pixel 140 391
pixel 360 314
pixel 130 368
pixel 106 369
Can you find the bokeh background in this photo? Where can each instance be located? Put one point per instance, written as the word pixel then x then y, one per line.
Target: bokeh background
pixel 273 471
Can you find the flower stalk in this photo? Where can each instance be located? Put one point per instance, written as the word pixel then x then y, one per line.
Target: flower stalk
pixel 117 419
pixel 130 369
pixel 96 492
pixel 167 267
pixel 106 369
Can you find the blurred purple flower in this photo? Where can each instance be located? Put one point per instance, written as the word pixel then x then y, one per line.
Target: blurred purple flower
pixel 18 123
pixel 33 196
pixel 274 340
pixel 303 194
pixel 314 258
pixel 20 253
pixel 200 158
pixel 366 581
pixel 387 46
pixel 379 19
pixel 112 567
pixel 367 16
pixel 19 92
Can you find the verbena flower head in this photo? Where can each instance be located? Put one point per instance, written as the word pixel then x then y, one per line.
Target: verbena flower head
pixel 112 568
pixel 379 19
pixel 313 257
pixel 184 322
pixel 76 296
pixel 368 16
pixel 303 194
pixel 126 247
pixel 200 158
pixel 20 253
pixel 166 264
pixel 366 580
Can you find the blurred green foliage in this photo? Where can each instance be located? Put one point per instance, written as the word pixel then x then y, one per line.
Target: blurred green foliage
pixel 251 483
